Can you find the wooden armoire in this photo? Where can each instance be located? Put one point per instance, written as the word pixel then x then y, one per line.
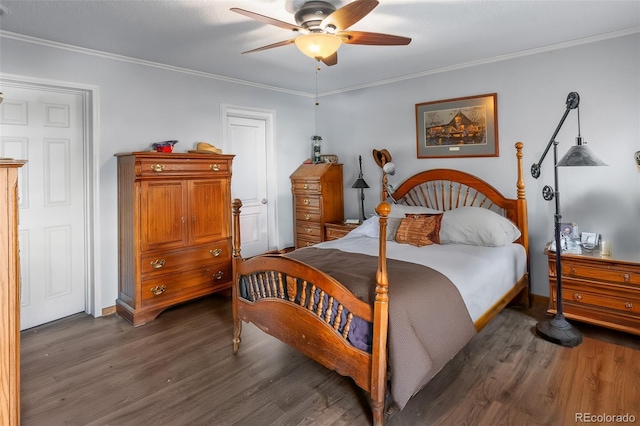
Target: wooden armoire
pixel 174 225
pixel 317 199
pixel 9 294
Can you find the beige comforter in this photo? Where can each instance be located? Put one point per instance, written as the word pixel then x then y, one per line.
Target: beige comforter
pixel 428 320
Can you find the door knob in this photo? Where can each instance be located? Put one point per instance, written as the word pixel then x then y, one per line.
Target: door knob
pixel 264 201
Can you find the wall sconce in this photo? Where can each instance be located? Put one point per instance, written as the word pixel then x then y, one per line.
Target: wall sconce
pixel 383 159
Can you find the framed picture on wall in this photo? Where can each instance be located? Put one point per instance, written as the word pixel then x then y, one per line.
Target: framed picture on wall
pixel 459 127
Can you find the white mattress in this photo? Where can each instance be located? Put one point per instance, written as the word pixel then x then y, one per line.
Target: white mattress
pixel 482 274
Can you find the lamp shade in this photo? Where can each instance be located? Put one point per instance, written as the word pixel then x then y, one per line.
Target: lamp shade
pixel 360 183
pixel 318 45
pixel 580 155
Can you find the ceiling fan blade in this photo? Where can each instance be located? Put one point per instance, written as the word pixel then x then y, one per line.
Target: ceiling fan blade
pixel 267 20
pixel 271 46
pixel 348 15
pixel 372 39
pixel 331 59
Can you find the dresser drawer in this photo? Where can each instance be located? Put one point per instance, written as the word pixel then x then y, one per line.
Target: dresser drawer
pixel 306 187
pixel 308 230
pixel 309 215
pixel 172 261
pixel 308 202
pixel 614 299
pixel 604 272
pixel 302 241
pixel 175 166
pixel 182 286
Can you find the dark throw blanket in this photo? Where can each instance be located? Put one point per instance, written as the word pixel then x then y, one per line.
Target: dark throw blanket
pixel 428 320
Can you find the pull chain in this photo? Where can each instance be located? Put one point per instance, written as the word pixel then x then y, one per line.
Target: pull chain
pixel 317 69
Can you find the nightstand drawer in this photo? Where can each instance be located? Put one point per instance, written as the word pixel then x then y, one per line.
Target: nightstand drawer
pixel 577 293
pixel 616 274
pixel 333 231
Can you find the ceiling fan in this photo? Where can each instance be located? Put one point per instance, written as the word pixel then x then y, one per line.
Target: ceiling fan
pixel 322 29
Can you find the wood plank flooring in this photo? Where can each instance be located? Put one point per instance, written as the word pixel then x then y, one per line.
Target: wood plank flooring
pixel 180 370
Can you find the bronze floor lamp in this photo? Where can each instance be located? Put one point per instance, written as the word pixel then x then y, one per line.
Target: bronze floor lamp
pixel 557 329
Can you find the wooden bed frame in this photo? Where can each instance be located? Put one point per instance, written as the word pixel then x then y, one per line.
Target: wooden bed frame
pixel 272 278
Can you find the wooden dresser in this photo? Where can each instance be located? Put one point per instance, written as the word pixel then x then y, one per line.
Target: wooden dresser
pixel 9 295
pixel 598 290
pixel 174 224
pixel 317 199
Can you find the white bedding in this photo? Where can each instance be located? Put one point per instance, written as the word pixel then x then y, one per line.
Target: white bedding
pixel 482 274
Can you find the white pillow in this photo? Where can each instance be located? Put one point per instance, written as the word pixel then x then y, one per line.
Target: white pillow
pixel 400 210
pixel 371 228
pixel 477 226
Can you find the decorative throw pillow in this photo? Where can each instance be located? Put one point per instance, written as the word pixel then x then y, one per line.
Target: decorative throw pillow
pixel 415 230
pixel 433 228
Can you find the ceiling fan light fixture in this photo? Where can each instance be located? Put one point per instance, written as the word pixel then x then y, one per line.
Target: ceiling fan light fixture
pixel 318 45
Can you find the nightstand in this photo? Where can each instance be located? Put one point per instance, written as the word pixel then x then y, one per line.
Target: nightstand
pixel 335 230
pixel 604 291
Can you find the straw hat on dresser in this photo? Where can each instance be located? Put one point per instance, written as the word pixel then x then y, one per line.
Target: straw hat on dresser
pixel 205 148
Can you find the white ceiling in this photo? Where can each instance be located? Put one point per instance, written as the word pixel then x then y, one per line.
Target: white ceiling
pixel 205 36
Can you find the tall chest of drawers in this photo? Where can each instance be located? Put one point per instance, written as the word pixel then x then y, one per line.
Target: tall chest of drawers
pixel 174 226
pixel 598 290
pixel 317 199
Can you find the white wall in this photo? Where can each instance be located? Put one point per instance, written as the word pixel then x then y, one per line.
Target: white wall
pixel 140 104
pixel 531 100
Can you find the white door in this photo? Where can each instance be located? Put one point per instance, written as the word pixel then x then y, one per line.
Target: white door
pixel 246 138
pixel 45 127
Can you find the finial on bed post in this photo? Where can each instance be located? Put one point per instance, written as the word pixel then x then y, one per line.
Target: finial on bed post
pixel 380 322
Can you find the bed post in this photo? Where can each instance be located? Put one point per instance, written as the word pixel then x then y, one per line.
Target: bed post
pixel 237 324
pixel 522 214
pixel 380 323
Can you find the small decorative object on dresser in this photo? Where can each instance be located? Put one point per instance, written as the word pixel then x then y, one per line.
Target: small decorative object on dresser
pixel 317 199
pixel 174 224
pixel 598 290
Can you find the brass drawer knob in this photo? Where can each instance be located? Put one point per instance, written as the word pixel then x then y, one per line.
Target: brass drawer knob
pixel 308 230
pixel 159 289
pixel 157 167
pixel 215 167
pixel 158 263
pixel 628 305
pixel 626 277
pixel 577 297
pixel 308 243
pixel 218 275
pixel 305 186
pixel 307 216
pixel 306 201
pixel 216 252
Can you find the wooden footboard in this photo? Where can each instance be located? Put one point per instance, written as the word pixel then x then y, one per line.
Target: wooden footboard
pixel 312 312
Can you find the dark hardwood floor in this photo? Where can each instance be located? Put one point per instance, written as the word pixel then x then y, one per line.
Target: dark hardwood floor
pixel 180 370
